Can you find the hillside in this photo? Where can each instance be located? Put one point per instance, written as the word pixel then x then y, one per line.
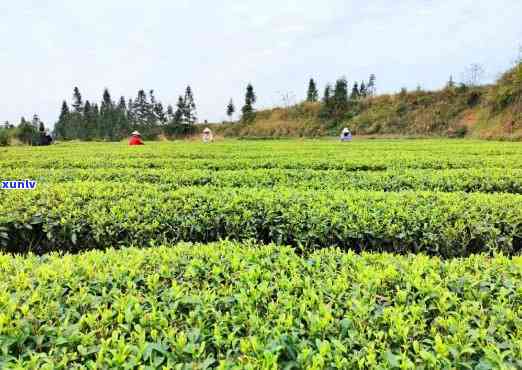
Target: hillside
pixel 491 112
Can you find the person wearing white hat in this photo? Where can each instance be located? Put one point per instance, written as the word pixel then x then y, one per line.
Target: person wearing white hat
pixel 207 135
pixel 346 135
pixel 135 139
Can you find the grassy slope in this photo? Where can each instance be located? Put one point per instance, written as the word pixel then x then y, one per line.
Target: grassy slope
pixel 493 111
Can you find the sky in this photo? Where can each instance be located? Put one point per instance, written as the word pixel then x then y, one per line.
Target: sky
pixel 217 47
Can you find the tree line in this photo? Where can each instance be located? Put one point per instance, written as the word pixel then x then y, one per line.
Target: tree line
pixel 27 132
pixel 335 103
pixel 338 102
pixel 110 120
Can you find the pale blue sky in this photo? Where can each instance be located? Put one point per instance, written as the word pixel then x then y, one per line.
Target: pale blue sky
pixel 49 46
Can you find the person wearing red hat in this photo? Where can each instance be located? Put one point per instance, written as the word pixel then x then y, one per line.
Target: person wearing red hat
pixel 135 139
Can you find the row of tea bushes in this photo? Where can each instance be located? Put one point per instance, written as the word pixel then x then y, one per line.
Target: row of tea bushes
pixel 486 180
pixel 77 216
pixel 371 162
pixel 237 306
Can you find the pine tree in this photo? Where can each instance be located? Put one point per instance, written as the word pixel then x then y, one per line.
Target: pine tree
pixel 355 92
pixel 371 88
pixel 107 103
pixel 363 92
pixel 179 115
pixel 90 122
pixel 26 132
pixel 189 114
pixel 250 95
pixel 41 127
pixel 140 108
pixel 230 109
pixel 123 119
pixel 341 91
pixel 156 111
pixel 77 100
pixel 159 113
pixel 122 105
pixel 170 113
pixel 35 122
pixel 312 94
pixel 87 108
pixel 65 111
pixel 131 116
pixel 248 109
pixel 327 94
pixel 60 127
pixel 152 118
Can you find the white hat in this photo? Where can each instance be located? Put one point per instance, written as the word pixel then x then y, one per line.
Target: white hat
pixel 206 129
pixel 136 133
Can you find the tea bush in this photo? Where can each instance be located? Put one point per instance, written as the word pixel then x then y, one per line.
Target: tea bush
pixel 237 306
pixel 77 216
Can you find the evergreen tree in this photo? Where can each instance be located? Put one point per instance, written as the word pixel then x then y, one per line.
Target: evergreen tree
pixel 335 106
pixel 141 111
pixel 312 94
pixel 26 132
pixel 107 103
pixel 123 124
pixel 87 108
pixel 363 92
pixel 35 122
pixel 77 100
pixel 371 87
pixel 189 114
pixel 327 94
pixel 156 111
pixel 248 109
pixel 152 118
pixel 170 113
pixel 341 92
pixel 179 115
pixel 96 117
pixel 105 119
pixel 75 121
pixel 65 111
pixel 131 117
pixel 159 113
pixel 355 92
pixel 122 105
pixel 230 109
pixel 90 122
pixel 250 95
pixel 60 127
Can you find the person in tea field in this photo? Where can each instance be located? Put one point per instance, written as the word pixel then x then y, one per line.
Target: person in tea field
pixel 135 139
pixel 346 135
pixel 45 138
pixel 207 135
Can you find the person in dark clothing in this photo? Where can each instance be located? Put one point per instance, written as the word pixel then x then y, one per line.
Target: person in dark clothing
pixel 45 138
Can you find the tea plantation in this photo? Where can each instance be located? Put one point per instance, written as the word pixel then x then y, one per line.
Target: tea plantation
pixel 308 254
